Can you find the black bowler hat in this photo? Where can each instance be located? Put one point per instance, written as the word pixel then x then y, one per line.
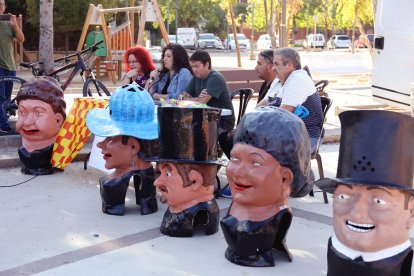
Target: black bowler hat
pixel 188 135
pixel 376 149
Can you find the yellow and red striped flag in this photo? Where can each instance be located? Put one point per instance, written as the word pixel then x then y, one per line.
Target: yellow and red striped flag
pixel 74 133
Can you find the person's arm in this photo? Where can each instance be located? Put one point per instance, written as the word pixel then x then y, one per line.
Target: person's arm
pixel 184 78
pixel 204 97
pixel 18 34
pixel 288 108
pixel 129 76
pixel 263 102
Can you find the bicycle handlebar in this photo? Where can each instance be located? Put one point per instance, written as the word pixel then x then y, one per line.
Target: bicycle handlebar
pixel 91 48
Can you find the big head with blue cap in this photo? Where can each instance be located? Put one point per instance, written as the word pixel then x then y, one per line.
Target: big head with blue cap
pixel 131 112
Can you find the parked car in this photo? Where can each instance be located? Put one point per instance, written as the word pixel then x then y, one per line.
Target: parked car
pixel 264 42
pixel 156 54
pixel 230 43
pixel 220 44
pixel 361 42
pixel 338 41
pixel 207 40
pixel 172 39
pixel 314 41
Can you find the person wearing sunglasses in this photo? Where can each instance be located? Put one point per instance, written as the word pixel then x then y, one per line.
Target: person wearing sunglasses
pixel 264 71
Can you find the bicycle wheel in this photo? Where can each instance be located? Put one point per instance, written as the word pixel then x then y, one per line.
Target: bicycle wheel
pixel 92 86
pixel 15 83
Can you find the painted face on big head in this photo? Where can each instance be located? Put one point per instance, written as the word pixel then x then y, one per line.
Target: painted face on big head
pixel 256 178
pixel 117 155
pixel 263 67
pixel 200 70
pixel 134 64
pixel 171 185
pixel 282 68
pixel 168 59
pixel 370 219
pixel 37 123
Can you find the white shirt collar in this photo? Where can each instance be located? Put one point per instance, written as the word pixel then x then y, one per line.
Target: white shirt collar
pixel 369 256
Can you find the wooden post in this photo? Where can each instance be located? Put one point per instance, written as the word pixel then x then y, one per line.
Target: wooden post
pixel 161 22
pixel 108 44
pixel 132 20
pixel 141 26
pixel 85 27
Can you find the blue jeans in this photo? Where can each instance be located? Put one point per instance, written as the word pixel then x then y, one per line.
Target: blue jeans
pixel 5 96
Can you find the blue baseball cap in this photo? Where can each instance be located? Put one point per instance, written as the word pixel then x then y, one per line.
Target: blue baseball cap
pixel 131 112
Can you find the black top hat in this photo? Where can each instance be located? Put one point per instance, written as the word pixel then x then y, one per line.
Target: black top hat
pixel 187 135
pixel 376 149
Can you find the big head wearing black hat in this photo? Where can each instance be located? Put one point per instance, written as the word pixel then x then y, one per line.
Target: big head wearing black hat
pixel 187 162
pixel 373 206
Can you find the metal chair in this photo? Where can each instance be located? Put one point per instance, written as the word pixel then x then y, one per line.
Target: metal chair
pixel 326 104
pixel 245 94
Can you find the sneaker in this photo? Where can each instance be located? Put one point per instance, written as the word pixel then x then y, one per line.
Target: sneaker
pixel 7 131
pixel 226 192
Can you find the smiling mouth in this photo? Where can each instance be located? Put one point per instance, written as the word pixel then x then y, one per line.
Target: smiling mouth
pixel 359 227
pixel 241 187
pixel 31 131
pixel 163 189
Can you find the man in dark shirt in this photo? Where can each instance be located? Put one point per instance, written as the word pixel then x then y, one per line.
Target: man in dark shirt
pixel 264 71
pixel 209 87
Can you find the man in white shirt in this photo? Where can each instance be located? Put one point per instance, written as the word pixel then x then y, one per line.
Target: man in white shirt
pixel 297 88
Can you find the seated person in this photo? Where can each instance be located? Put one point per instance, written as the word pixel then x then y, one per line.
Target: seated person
pixel 187 161
pixel 209 87
pixel 138 65
pixel 175 74
pixel 269 162
pixel 373 195
pixel 128 125
pixel 41 109
pixel 264 71
pixel 297 88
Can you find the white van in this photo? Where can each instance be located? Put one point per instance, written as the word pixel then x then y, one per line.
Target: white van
pixel 188 36
pixel 392 71
pixel 314 41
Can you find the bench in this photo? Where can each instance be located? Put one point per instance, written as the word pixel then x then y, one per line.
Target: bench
pixel 236 79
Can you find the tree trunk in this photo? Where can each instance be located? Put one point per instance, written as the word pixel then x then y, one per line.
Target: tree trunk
pixel 46 34
pixel 236 40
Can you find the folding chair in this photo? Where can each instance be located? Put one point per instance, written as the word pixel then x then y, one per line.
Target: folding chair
pixel 326 104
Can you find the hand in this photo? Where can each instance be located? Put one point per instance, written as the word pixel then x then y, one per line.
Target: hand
pixel 154 74
pixel 231 134
pixel 184 95
pixel 132 73
pixel 203 93
pixel 13 20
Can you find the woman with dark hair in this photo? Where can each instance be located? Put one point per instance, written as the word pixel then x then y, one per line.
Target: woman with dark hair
pixel 138 64
pixel 175 74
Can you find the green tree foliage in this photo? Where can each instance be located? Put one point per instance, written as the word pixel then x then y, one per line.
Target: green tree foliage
pixel 192 12
pixel 69 15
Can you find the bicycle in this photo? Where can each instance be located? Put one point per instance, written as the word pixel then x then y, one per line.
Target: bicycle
pixel 91 84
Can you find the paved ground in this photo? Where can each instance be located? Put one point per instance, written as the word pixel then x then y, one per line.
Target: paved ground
pixel 53 225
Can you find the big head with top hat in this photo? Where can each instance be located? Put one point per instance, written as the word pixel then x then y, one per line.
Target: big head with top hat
pixel 373 189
